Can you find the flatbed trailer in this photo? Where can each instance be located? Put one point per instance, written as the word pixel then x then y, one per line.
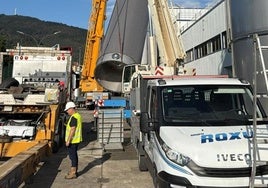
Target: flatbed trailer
pixel 32 117
pixel 18 169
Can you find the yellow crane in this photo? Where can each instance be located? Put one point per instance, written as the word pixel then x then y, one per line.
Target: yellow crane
pixel 95 33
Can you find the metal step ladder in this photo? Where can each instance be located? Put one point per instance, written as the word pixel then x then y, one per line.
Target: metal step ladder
pixel 259 139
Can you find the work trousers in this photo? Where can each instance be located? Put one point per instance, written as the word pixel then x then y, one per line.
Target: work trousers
pixel 72 152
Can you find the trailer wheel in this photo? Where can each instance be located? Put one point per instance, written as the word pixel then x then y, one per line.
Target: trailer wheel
pixel 59 136
pixel 9 82
pixel 61 132
pixel 91 107
pixel 6 139
pixel 55 146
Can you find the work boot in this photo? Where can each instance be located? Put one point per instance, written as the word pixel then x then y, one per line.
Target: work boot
pixel 75 172
pixel 69 172
pixel 72 174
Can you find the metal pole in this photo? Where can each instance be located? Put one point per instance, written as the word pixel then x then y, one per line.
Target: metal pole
pixel 22 33
pixel 102 133
pixel 79 57
pixel 38 43
pixel 55 33
pixel 253 168
pixel 121 125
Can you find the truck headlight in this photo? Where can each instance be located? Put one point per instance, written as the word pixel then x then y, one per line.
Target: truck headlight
pixel 175 156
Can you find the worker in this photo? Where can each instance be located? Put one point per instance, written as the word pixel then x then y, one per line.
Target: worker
pixel 61 85
pixel 73 137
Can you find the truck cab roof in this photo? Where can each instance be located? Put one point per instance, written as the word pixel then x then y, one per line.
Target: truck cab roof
pixel 194 80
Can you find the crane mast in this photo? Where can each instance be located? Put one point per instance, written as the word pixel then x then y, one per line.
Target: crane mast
pixel 94 36
pixel 165 46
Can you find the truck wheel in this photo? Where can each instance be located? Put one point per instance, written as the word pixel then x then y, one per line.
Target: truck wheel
pixel 61 132
pixel 142 163
pixel 141 158
pixel 162 184
pixel 158 183
pixel 55 146
pixel 91 107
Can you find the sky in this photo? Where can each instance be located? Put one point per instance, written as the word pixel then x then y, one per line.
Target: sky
pixel 71 12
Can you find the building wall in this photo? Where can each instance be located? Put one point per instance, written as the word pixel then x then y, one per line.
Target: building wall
pixel 205 43
pixel 187 16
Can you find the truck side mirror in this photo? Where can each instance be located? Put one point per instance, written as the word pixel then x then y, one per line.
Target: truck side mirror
pixel 144 122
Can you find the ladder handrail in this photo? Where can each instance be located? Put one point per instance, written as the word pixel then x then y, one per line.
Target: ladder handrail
pixel 253 168
pixel 257 49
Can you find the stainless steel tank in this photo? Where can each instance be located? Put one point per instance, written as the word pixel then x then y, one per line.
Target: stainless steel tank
pixel 248 17
pixel 123 42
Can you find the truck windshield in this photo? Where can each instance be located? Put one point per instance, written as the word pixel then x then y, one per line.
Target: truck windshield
pixel 209 105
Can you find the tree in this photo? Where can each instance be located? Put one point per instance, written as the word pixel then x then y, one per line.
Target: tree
pixel 2 43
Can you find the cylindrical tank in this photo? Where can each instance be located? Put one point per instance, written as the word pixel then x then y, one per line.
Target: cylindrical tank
pixel 248 17
pixel 123 42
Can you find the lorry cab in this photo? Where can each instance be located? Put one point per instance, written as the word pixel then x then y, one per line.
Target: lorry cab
pixel 197 132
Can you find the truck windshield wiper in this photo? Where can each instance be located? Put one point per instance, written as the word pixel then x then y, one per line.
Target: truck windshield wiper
pixel 224 122
pixel 242 121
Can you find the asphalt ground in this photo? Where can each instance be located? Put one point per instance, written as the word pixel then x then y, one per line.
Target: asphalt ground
pixel 99 167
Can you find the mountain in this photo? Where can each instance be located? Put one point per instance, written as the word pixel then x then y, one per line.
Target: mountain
pixel 29 31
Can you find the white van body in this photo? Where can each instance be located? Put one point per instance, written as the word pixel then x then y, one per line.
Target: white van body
pixel 197 132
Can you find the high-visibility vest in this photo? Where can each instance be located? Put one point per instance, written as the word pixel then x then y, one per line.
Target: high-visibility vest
pixel 77 138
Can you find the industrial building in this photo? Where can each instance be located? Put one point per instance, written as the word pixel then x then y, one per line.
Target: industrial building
pixel 205 39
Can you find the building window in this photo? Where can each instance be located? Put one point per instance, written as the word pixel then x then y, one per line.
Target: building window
pixel 216 43
pixel 189 55
pixel 224 40
pixel 210 46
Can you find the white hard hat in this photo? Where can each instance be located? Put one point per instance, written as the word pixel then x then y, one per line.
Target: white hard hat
pixel 69 105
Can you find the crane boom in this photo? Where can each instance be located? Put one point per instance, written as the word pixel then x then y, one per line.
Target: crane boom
pixel 167 40
pixel 94 36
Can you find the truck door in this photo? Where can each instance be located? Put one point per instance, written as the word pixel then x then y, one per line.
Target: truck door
pixel 152 110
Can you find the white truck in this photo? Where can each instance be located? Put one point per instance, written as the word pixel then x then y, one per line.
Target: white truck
pixel 191 131
pixel 32 117
pixel 32 101
pixel 197 131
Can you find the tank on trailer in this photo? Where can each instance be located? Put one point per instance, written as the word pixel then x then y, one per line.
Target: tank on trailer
pixel 123 43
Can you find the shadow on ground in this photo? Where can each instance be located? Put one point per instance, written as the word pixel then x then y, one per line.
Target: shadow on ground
pixel 50 166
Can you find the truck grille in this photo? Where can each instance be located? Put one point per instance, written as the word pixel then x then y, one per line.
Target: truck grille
pixel 227 172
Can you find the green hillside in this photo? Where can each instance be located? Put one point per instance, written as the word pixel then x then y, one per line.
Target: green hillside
pixel 40 33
